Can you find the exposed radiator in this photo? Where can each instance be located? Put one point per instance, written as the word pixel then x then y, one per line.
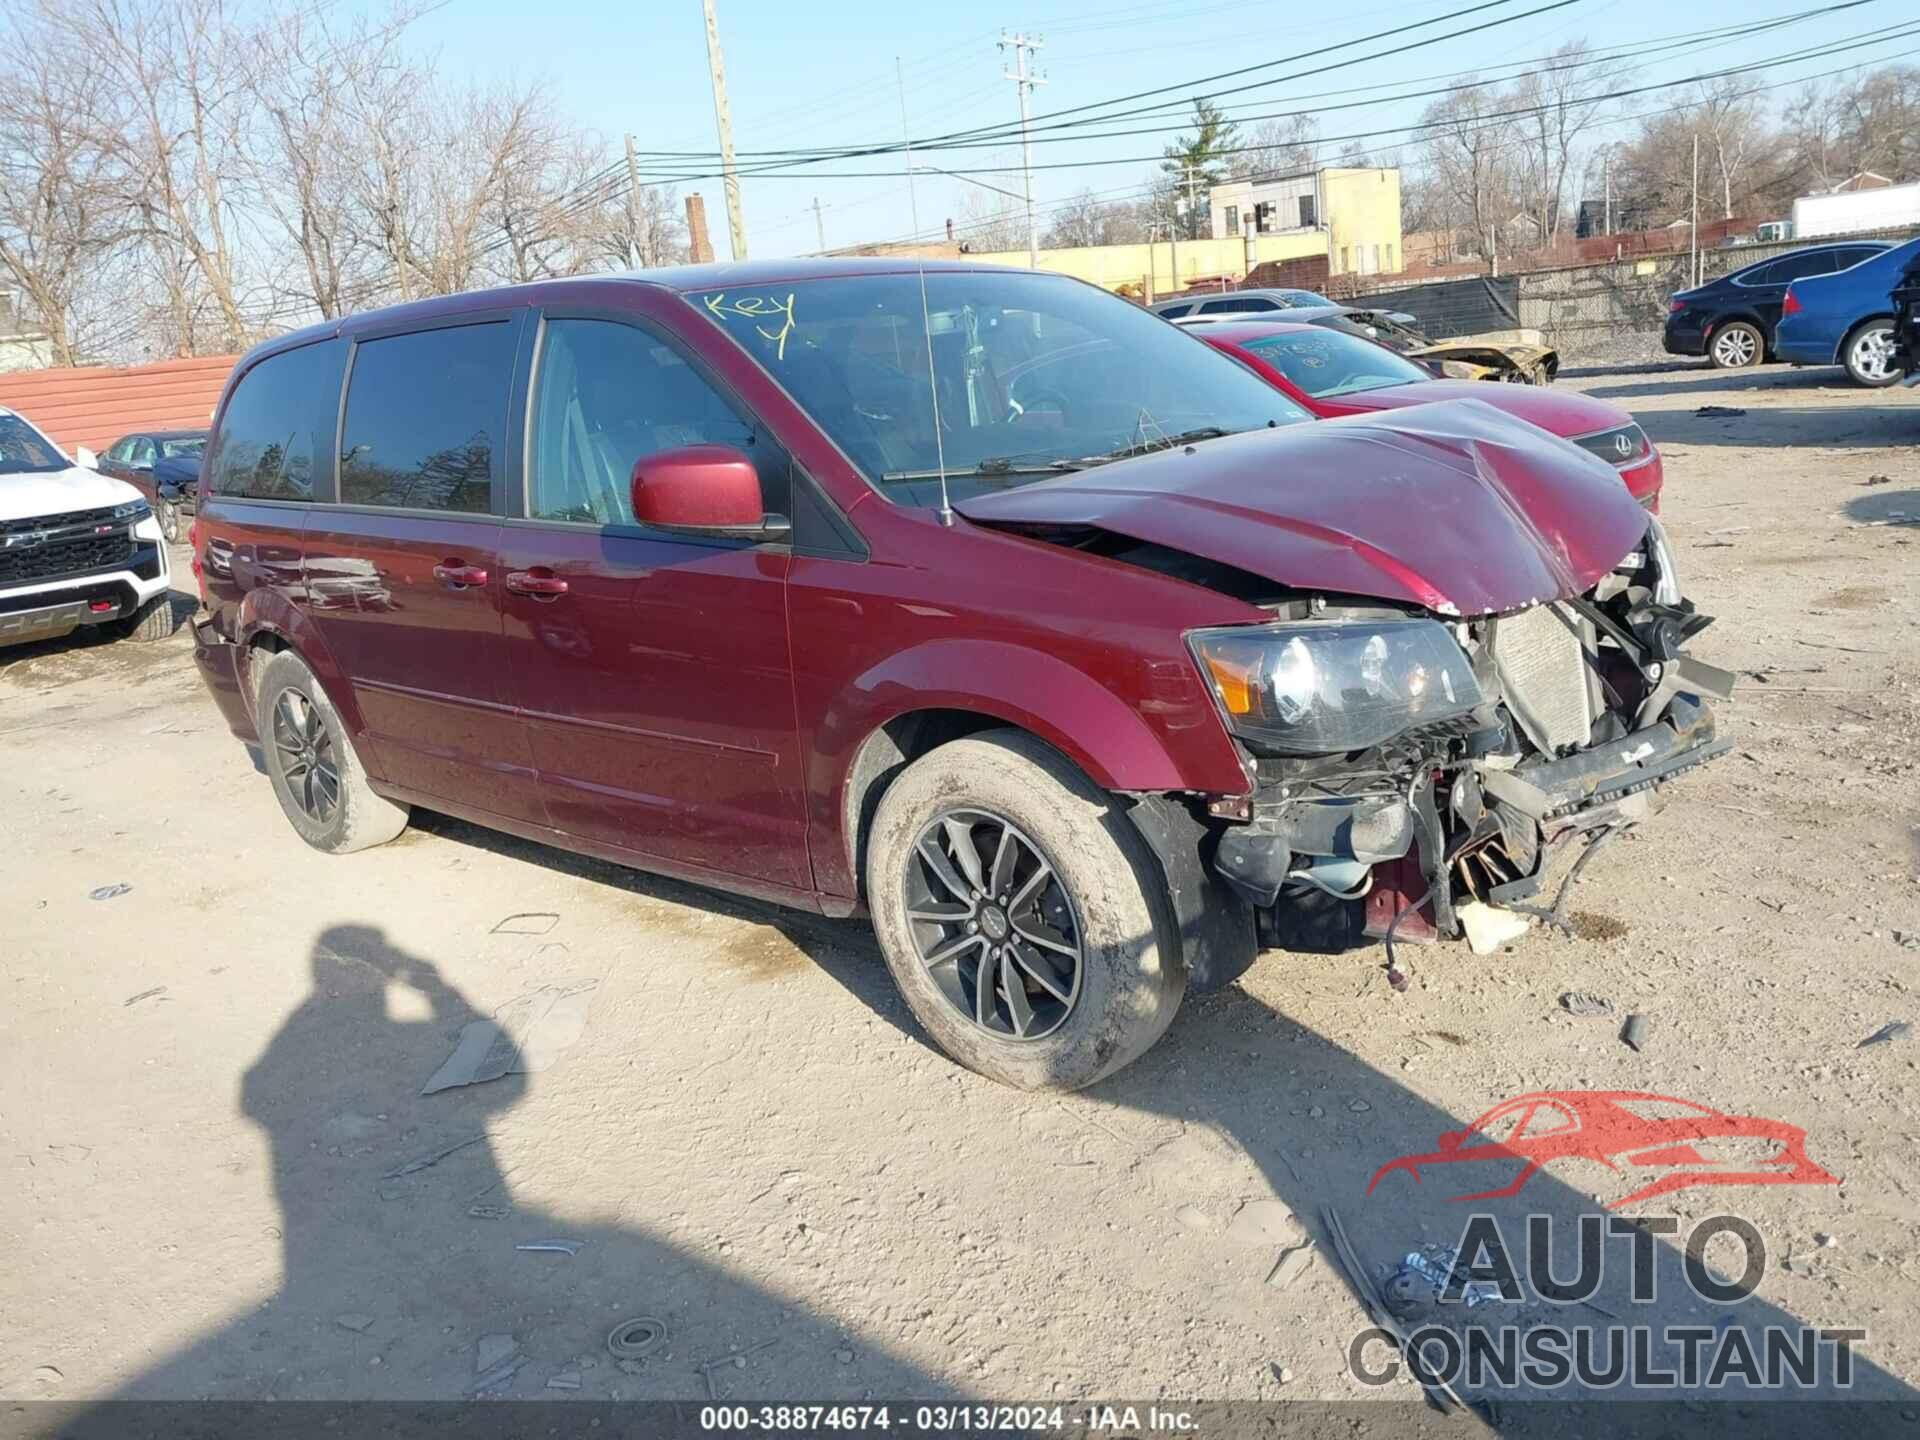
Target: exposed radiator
pixel 1547 682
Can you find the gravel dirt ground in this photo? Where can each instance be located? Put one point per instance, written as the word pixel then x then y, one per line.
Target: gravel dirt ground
pixel 213 1127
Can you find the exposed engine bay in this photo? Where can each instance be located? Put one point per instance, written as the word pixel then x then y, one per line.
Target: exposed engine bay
pixel 1582 709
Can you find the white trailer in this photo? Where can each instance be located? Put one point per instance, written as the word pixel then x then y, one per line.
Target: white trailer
pixel 1887 208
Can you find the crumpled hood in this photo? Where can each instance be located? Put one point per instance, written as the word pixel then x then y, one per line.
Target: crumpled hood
pixel 27 497
pixel 1454 507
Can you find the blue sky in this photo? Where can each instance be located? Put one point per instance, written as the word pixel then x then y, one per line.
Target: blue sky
pixel 823 74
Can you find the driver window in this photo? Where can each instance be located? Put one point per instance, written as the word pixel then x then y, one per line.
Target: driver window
pixel 607 395
pixel 143 453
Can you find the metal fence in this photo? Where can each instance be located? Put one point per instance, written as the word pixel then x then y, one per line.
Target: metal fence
pixel 1581 308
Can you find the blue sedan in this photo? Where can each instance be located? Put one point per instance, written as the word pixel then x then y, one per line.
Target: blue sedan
pixel 1847 318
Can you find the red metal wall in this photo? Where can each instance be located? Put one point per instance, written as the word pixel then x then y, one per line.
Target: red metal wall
pixel 94 406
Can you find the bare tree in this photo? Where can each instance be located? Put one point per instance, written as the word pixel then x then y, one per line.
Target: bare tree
pixel 1088 220
pixel 1276 147
pixel 1565 99
pixel 59 223
pixel 1469 156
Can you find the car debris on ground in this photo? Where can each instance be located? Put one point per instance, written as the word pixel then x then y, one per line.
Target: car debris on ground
pixel 527 1034
pixel 1585 1006
pixel 1634 1032
pixel 1892 1030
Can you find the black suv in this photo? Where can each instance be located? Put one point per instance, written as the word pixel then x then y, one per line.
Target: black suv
pixel 1731 320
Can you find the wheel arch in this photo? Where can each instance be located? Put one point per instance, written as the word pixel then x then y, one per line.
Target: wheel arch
pixel 942 689
pixel 1853 329
pixel 268 622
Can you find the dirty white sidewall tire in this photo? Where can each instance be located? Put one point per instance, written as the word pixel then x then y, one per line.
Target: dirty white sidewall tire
pixel 1868 354
pixel 1131 980
pixel 361 818
pixel 1736 346
pixel 154 620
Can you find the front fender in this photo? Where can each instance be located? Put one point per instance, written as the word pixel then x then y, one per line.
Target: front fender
pixel 1040 693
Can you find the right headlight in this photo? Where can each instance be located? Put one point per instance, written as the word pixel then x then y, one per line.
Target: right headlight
pixel 1666 574
pixel 1321 688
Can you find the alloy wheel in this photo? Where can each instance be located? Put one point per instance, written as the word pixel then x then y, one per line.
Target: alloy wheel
pixel 994 925
pixel 1873 353
pixel 1734 348
pixel 169 523
pixel 307 759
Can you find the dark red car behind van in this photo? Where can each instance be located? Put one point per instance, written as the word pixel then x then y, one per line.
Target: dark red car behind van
pixel 980 600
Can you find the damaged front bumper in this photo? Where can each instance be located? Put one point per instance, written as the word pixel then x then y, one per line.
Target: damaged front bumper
pixel 1324 871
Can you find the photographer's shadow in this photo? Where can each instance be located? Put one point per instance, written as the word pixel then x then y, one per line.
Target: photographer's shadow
pixel 399 1278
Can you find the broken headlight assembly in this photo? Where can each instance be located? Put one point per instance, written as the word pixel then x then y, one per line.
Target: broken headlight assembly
pixel 1324 688
pixel 1666 584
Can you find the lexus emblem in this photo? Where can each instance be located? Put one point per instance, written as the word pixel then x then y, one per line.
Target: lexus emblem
pixel 1623 445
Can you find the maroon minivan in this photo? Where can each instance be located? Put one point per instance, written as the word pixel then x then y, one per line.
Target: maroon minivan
pixel 979 600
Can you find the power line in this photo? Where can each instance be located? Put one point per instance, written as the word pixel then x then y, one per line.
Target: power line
pixel 1884 36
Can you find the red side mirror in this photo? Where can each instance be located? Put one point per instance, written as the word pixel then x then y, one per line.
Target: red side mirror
pixel 698 487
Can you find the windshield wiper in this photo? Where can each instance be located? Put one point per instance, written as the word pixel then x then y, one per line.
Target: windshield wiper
pixel 992 466
pixel 1167 442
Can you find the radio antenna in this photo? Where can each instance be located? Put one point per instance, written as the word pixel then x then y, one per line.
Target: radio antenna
pixel 933 391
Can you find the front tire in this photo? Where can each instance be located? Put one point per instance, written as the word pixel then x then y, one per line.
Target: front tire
pixel 154 620
pixel 1868 353
pixel 1736 346
pixel 168 514
pixel 1022 915
pixel 317 776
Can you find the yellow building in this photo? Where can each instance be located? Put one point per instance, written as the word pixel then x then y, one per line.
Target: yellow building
pixel 1145 271
pixel 1354 211
pixel 1349 215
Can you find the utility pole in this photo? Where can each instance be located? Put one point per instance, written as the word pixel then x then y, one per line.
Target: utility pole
pixel 913 194
pixel 1693 225
pixel 1190 196
pixel 1606 169
pixel 819 225
pixel 633 209
pixel 1173 243
pixel 1023 82
pixel 723 121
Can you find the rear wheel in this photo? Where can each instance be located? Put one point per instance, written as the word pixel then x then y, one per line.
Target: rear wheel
pixel 168 514
pixel 318 778
pixel 1736 345
pixel 1021 914
pixel 1869 355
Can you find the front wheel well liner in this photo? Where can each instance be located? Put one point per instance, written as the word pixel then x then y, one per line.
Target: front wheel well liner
pixel 883 755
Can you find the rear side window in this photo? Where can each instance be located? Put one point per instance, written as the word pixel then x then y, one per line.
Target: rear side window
pixel 607 395
pixel 1789 268
pixel 426 414
pixel 1167 312
pixel 277 433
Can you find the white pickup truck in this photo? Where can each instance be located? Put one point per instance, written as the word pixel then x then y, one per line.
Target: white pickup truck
pixel 76 547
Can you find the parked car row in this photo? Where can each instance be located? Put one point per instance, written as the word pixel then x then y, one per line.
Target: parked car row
pixel 1823 305
pixel 1064 643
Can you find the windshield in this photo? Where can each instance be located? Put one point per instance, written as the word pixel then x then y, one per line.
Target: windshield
pixel 1304 297
pixel 25 451
pixel 1326 362
pixel 1032 375
pixel 182 447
